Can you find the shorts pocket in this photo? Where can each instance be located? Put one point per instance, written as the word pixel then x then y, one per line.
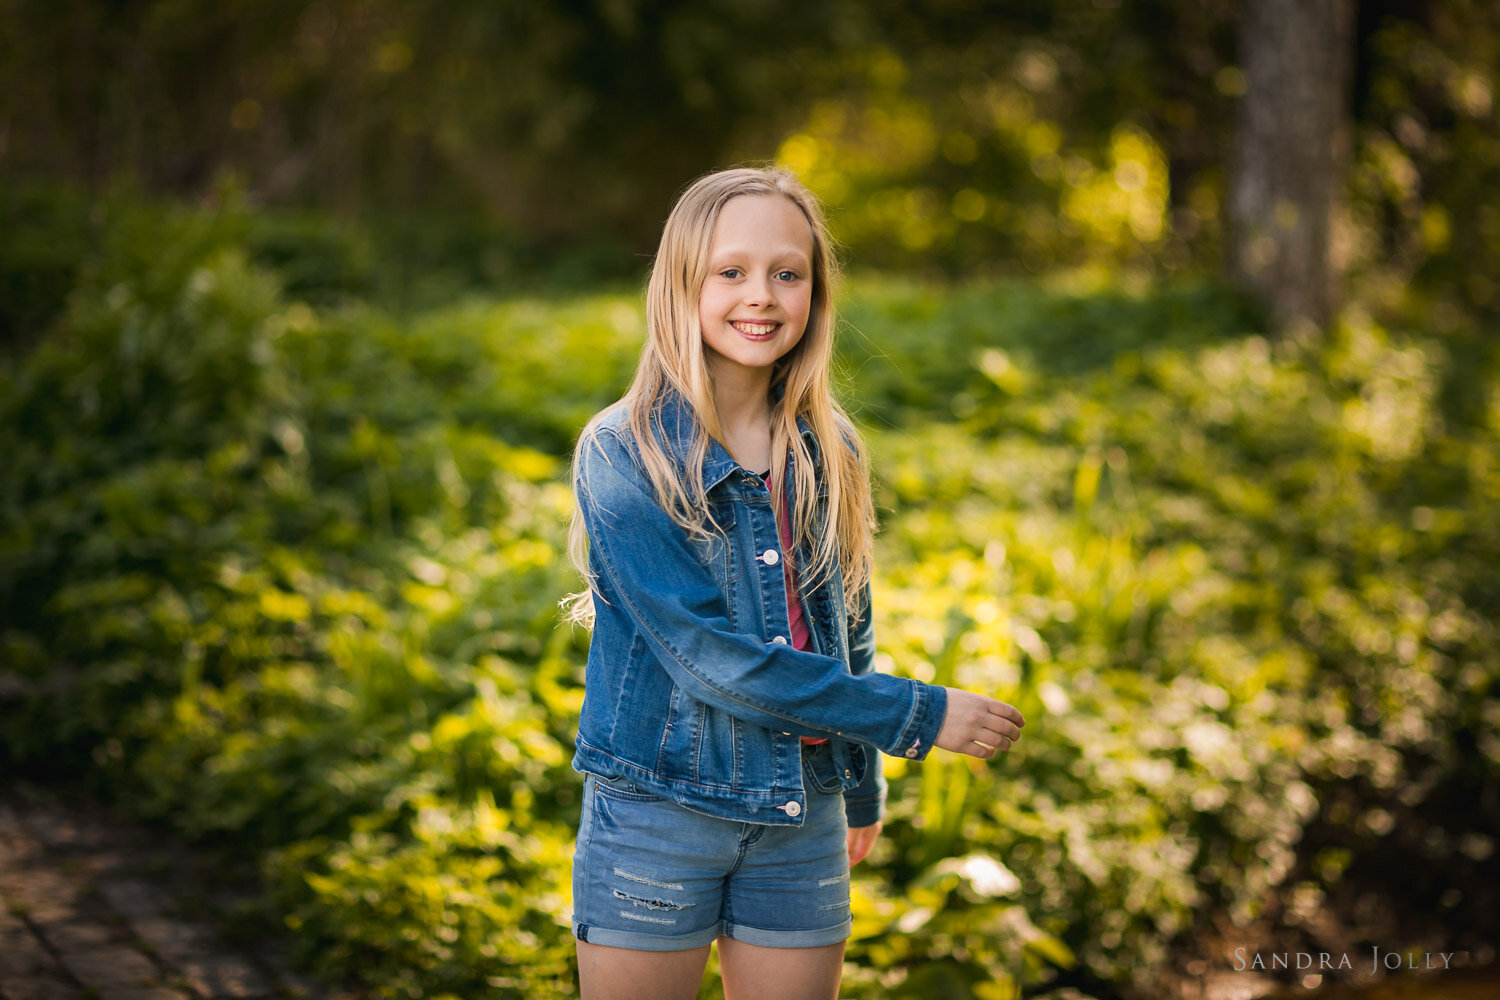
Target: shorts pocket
pixel 819 770
pixel 624 790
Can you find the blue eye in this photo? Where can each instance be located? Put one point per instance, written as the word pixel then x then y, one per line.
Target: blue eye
pixel 730 272
pixel 787 275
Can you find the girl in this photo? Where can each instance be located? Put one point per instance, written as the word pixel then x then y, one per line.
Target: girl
pixel 731 719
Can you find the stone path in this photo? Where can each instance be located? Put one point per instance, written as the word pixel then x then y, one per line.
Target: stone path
pixel 95 909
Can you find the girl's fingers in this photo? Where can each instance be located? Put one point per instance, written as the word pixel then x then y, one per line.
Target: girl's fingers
pixel 1000 737
pixel 987 744
pixel 1009 713
pixel 1008 724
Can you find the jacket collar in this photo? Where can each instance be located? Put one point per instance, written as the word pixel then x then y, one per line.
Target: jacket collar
pixel 677 423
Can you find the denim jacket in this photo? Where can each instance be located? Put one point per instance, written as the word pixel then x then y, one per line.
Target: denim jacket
pixel 693 690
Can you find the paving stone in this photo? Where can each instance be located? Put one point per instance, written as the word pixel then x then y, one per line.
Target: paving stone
pixel 39 988
pixel 12 849
pixel 10 923
pixel 21 855
pixel 73 872
pixel 10 822
pixel 109 861
pixel 78 935
pixel 17 856
pixel 52 828
pixel 12 830
pixel 170 938
pixel 44 894
pixel 289 983
pixel 22 954
pixel 61 830
pixel 115 967
pixel 223 976
pixel 132 897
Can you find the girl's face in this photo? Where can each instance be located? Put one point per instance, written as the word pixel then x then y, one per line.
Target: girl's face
pixel 755 301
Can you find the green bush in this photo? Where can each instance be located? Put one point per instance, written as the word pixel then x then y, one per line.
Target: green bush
pixel 1220 581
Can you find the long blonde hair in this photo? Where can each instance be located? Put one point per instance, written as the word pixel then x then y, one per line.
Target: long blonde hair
pixel 673 359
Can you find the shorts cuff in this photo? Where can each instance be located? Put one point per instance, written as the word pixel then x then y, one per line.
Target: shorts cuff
pixel 790 939
pixel 642 941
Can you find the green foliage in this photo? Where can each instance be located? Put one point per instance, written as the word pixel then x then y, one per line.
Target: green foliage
pixel 1428 154
pixel 1214 578
pixel 283 574
pixel 283 577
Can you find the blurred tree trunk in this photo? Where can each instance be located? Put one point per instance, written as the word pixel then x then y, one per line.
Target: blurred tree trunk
pixel 1291 149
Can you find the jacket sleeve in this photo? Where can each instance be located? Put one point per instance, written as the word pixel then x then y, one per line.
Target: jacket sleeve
pixel 865 802
pixel 645 563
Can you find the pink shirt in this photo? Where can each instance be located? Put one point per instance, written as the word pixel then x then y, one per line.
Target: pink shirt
pixel 796 618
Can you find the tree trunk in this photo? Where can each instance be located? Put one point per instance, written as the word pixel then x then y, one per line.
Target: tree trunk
pixel 1291 149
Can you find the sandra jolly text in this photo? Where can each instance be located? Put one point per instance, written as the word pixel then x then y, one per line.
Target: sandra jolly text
pixel 1323 961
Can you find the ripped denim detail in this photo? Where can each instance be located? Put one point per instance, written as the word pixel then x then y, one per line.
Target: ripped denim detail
pixel 650 904
pixel 656 904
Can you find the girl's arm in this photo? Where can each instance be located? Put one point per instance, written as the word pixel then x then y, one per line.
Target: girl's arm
pixel 647 566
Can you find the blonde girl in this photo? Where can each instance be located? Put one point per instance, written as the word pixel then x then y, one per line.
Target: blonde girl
pixel 732 724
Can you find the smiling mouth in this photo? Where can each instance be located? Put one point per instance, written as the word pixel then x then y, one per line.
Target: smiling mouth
pixel 755 329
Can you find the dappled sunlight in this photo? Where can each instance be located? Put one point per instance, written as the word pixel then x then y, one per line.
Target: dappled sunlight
pixel 872 161
pixel 1125 202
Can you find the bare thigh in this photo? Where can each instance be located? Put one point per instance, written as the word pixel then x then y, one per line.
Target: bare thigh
pixel 626 974
pixel 752 972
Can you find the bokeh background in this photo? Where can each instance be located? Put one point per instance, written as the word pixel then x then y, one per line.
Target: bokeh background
pixel 1172 326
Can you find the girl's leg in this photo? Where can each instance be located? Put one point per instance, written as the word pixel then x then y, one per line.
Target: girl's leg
pixel 752 972
pixel 625 974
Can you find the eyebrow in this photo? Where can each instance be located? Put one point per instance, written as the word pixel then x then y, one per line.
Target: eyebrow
pixel 795 254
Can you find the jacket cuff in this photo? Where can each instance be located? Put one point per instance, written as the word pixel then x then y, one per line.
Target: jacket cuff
pixel 864 804
pixel 929 709
pixel 862 812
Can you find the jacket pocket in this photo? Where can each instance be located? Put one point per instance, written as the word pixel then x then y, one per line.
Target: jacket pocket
pixel 701 744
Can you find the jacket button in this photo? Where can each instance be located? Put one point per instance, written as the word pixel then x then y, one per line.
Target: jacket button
pixel 771 557
pixel 911 752
pixel 794 809
pixel 779 640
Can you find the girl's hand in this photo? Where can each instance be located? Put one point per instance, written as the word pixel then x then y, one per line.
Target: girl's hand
pixel 977 725
pixel 861 840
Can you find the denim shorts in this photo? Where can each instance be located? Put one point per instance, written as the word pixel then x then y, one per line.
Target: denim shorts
pixel 651 875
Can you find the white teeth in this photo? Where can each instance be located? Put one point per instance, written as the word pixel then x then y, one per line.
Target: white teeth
pixel 754 328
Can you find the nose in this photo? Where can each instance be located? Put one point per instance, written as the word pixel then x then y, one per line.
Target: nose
pixel 760 291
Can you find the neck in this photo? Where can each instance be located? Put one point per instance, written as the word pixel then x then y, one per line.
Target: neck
pixel 743 401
